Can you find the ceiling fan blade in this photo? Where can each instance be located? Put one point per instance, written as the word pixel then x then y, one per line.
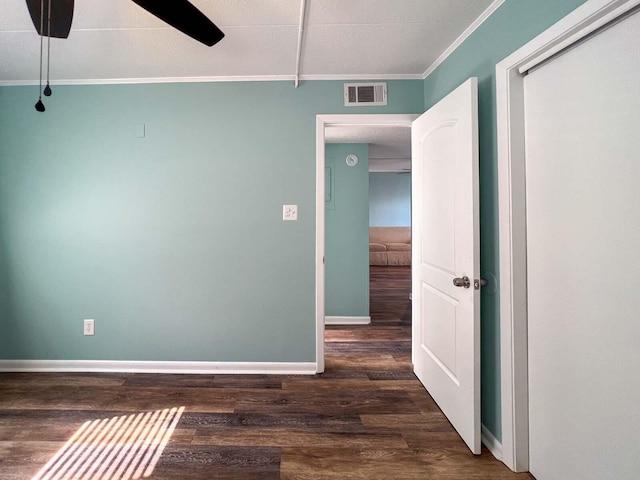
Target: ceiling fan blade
pixel 182 15
pixel 61 16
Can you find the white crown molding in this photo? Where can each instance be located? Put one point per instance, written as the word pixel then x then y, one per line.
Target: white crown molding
pixel 466 34
pixel 347 320
pixel 389 76
pixel 212 79
pixel 274 368
pixel 492 443
pixel 134 81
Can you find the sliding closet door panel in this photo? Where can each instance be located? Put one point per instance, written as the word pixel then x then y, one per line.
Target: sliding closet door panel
pixel 583 255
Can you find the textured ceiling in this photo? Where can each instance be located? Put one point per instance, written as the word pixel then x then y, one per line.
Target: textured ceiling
pixel 389 147
pixel 117 41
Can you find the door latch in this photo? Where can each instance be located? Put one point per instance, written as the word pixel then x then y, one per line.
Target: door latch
pixel 477 283
pixel 466 283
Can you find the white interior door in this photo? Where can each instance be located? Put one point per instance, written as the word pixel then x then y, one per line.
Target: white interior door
pixel 445 223
pixel 582 118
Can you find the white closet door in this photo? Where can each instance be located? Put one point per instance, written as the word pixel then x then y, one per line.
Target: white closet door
pixel 583 257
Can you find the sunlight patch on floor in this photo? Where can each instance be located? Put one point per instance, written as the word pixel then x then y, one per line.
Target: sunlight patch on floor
pixel 118 448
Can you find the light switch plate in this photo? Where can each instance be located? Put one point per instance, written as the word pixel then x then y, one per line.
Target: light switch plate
pixel 89 326
pixel 290 212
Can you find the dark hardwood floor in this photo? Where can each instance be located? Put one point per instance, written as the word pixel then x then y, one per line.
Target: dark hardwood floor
pixel 366 417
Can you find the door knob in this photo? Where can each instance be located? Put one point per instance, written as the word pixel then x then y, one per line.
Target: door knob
pixel 462 282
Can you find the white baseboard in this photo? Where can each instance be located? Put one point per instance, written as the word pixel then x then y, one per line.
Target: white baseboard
pixel 62 366
pixel 492 443
pixel 347 320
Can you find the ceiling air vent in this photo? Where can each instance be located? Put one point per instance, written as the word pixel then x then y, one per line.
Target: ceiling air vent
pixel 364 94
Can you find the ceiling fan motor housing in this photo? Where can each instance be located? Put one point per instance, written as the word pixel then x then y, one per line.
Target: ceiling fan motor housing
pixel 61 17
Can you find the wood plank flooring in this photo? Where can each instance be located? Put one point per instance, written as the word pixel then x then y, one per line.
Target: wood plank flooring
pixel 366 417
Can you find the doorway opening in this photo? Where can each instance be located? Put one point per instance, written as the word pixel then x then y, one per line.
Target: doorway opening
pixel 368 249
pixel 327 126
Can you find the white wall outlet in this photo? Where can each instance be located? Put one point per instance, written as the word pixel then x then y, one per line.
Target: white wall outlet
pixel 290 212
pixel 89 326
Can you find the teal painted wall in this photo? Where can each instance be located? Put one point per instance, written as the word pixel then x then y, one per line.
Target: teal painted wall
pixel 174 243
pixel 389 199
pixel 511 26
pixel 347 233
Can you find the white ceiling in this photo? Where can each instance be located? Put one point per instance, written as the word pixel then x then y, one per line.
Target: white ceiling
pixel 117 41
pixel 389 147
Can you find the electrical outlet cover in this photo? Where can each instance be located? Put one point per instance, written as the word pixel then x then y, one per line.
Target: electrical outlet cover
pixel 290 212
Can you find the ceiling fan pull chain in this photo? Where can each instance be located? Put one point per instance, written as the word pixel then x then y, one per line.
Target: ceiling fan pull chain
pixel 47 89
pixel 39 104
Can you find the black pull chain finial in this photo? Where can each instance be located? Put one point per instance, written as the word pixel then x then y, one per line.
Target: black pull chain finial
pixel 39 104
pixel 47 90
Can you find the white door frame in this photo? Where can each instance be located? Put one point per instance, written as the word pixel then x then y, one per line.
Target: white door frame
pixel 323 121
pixel 512 212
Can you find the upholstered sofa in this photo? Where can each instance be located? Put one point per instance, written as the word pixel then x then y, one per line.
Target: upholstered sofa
pixel 389 245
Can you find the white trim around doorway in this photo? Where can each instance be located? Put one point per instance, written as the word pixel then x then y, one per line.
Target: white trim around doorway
pixel 323 121
pixel 512 212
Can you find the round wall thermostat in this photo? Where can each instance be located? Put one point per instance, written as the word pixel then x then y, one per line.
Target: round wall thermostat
pixel 352 160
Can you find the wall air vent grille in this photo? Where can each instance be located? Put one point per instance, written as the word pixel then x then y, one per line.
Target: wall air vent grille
pixel 365 94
